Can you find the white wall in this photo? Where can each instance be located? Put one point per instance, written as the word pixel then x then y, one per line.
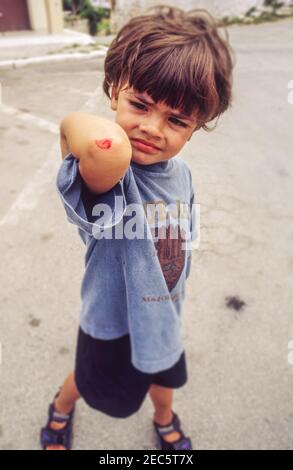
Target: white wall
pixel 101 3
pixel 219 8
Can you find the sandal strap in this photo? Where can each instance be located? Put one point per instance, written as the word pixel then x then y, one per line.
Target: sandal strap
pixel 182 444
pixel 55 415
pixel 59 417
pixel 163 430
pixel 174 426
pixel 61 436
pixel 54 437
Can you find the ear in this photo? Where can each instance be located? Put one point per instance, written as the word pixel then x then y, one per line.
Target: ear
pixel 114 99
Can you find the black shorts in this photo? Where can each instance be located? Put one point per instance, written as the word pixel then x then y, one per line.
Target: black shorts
pixel 107 380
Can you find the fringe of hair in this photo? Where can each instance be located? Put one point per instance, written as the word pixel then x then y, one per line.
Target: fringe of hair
pixel 178 57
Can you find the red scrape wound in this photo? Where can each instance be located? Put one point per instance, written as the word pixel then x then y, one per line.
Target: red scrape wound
pixel 104 143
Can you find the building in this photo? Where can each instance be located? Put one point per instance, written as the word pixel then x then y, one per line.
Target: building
pixel 37 15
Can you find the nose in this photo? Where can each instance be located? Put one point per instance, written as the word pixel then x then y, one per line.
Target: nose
pixel 152 127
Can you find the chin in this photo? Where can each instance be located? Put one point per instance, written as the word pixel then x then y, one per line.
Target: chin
pixel 142 159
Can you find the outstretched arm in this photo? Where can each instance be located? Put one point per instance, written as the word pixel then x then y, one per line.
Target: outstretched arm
pixel 101 146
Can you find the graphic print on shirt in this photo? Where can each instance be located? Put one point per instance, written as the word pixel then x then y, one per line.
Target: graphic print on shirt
pixel 168 225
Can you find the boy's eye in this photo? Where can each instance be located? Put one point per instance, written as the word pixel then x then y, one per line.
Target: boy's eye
pixel 179 123
pixel 137 105
pixel 141 107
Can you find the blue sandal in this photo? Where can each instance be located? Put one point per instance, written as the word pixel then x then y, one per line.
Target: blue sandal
pixel 183 443
pixel 62 437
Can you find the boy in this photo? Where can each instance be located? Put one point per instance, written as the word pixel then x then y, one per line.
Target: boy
pixel 167 75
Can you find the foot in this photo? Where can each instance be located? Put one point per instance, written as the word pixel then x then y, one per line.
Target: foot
pixel 164 421
pixel 56 426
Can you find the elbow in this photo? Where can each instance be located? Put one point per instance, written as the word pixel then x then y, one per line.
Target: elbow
pixel 101 169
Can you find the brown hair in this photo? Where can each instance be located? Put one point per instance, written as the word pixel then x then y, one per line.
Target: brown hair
pixel 177 57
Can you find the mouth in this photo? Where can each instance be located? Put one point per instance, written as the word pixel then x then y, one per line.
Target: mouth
pixel 145 146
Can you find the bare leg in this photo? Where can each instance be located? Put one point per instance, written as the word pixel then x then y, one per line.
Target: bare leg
pixel 68 395
pixel 64 404
pixel 162 398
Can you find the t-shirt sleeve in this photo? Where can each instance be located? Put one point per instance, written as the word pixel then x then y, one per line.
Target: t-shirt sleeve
pixel 90 212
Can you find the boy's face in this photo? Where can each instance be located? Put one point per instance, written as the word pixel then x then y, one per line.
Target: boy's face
pixel 154 123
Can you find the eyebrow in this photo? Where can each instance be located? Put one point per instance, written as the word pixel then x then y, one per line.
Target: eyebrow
pixel 150 103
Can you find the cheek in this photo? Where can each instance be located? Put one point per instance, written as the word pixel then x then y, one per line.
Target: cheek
pixel 177 142
pixel 127 120
pixel 120 117
pixel 126 125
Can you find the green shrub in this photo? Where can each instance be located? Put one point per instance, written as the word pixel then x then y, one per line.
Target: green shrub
pixel 85 9
pixel 93 15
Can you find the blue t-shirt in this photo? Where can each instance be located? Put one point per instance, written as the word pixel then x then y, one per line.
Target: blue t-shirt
pixel 138 255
